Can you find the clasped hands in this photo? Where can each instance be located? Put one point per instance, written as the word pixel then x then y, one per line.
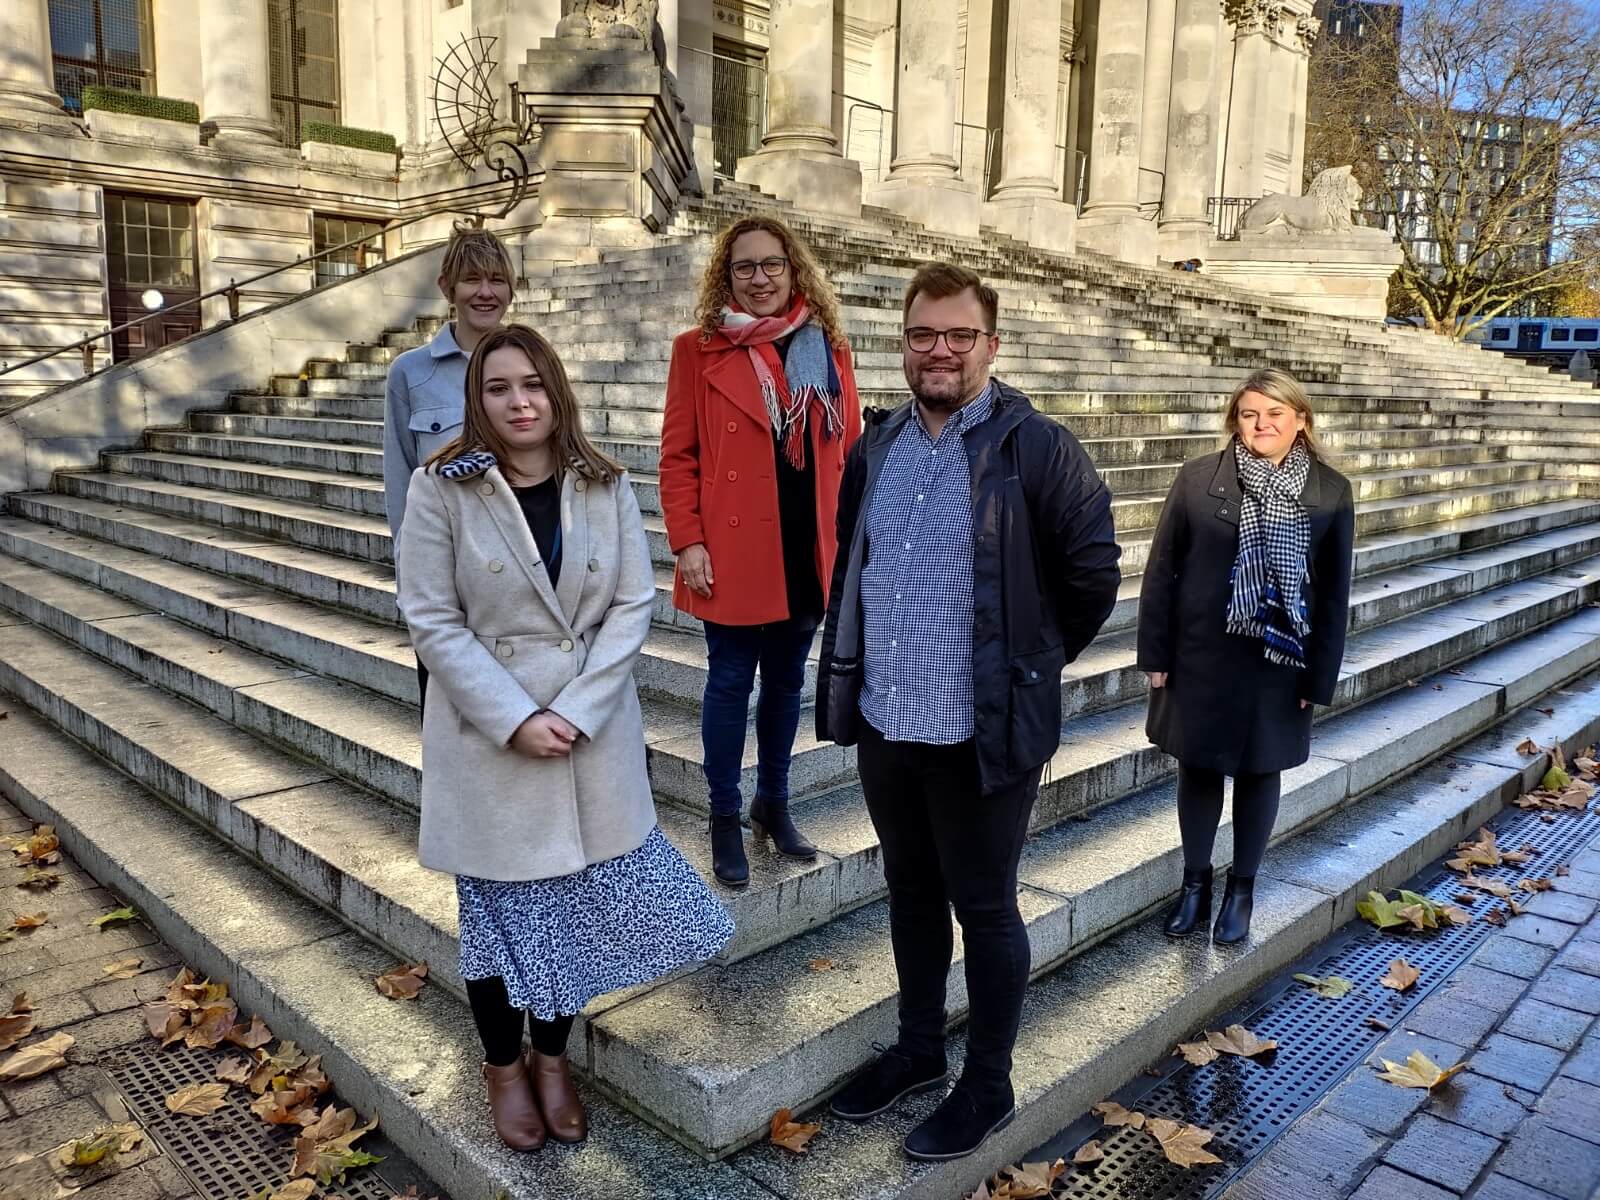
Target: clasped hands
pixel 545 735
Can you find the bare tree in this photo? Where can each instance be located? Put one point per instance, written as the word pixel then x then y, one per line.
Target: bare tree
pixel 1474 129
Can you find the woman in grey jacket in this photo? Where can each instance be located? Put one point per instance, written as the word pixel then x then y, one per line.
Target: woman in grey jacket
pixel 525 579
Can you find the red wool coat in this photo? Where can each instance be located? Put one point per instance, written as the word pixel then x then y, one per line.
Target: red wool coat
pixel 719 481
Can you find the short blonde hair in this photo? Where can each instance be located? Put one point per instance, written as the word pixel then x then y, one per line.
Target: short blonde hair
pixel 474 251
pixel 1285 389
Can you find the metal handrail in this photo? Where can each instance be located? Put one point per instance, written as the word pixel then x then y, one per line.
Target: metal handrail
pixel 231 291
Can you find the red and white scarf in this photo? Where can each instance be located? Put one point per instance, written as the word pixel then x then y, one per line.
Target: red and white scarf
pixel 796 388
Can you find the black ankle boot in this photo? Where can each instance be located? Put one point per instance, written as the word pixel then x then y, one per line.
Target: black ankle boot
pixel 772 820
pixel 1233 922
pixel 728 862
pixel 1193 908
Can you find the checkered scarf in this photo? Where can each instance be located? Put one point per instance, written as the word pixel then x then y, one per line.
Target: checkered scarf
pixel 1274 541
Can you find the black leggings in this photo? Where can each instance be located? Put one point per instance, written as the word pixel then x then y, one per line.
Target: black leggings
pixel 1255 808
pixel 500 1024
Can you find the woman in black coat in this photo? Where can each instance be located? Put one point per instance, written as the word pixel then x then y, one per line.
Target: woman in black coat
pixel 1242 618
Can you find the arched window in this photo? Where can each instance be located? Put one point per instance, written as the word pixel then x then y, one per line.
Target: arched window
pixel 304 42
pixel 106 42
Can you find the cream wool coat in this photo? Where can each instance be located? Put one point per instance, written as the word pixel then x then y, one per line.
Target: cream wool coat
pixel 500 644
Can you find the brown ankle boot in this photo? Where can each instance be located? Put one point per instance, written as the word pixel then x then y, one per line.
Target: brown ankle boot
pixel 512 1104
pixel 558 1099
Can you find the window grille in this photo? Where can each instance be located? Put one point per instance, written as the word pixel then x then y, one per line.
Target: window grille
pixel 738 103
pixel 106 42
pixel 150 241
pixel 330 231
pixel 303 39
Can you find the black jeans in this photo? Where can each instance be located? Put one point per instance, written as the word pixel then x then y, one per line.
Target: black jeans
pixel 947 844
pixel 1255 810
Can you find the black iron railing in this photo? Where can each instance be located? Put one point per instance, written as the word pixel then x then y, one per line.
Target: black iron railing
pixel 1225 212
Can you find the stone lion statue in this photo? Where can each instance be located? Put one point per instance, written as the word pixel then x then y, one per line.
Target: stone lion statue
pixel 625 19
pixel 1325 208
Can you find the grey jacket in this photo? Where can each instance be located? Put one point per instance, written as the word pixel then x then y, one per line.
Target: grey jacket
pixel 422 411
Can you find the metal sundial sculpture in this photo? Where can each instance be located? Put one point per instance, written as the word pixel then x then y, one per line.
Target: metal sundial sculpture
pixel 465 108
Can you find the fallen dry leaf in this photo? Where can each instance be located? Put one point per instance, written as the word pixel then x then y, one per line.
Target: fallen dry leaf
pixel 792 1135
pixel 38 1059
pixel 1333 987
pixel 198 1099
pixel 1375 1023
pixel 123 968
pixel 1113 1113
pixel 821 964
pixel 1198 1054
pixel 1089 1152
pixel 1495 916
pixel 1456 916
pixel 1492 886
pixel 288 1107
pixel 1402 976
pixel 13 1028
pixel 326 1148
pixel 43 847
pixel 1528 746
pixel 300 1189
pixel 1236 1039
pixel 404 982
pixel 100 1146
pixel 284 1061
pixel 20 1003
pixel 115 917
pixel 1418 1071
pixel 252 1038
pixel 1182 1144
pixel 234 1069
pixel 1030 1181
pixel 1563 871
pixel 1534 885
pixel 29 920
pixel 210 1026
pixel 165 1021
pixel 39 879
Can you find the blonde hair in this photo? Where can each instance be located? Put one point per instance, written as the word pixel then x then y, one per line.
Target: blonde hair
pixel 473 251
pixel 716 285
pixel 1285 389
pixel 570 447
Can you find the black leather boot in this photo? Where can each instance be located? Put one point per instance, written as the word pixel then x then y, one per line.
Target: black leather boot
pixel 728 862
pixel 1233 922
pixel 772 820
pixel 1193 908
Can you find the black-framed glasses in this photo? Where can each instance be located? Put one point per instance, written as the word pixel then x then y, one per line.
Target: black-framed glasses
pixel 922 339
pixel 772 268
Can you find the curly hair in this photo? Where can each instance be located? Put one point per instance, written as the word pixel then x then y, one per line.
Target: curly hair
pixel 716 285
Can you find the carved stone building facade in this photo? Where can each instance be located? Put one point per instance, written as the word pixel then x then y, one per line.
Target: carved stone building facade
pixel 1108 124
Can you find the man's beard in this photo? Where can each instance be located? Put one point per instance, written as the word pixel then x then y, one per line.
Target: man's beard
pixel 941 401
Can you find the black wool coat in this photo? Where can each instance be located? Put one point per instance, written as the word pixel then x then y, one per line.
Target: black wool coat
pixel 1226 707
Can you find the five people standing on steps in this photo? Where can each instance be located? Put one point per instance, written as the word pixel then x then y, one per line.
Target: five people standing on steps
pixel 761 408
pixel 959 552
pixel 977 559
pixel 1242 616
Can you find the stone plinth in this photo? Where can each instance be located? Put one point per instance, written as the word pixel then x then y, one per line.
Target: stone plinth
pixel 616 146
pixel 1047 224
pixel 348 158
pixel 1129 236
pixel 1343 274
pixel 816 179
pixel 945 205
pixel 149 131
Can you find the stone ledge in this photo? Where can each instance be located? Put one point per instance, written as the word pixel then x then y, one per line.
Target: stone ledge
pixel 131 127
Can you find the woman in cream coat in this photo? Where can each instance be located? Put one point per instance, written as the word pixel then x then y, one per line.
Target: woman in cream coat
pixel 525 579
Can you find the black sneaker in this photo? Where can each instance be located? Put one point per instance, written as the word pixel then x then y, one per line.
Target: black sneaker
pixel 959 1126
pixel 887 1081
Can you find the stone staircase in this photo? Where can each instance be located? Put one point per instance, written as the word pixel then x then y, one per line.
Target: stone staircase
pixel 213 613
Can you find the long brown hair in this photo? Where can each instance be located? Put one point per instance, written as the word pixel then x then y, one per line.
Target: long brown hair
pixel 716 285
pixel 569 445
pixel 1285 389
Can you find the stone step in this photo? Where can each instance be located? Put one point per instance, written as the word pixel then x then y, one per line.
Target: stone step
pixel 296 452
pixel 335 430
pixel 326 489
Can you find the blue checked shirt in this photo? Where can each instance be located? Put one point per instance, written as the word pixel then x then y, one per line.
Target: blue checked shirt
pixel 916 586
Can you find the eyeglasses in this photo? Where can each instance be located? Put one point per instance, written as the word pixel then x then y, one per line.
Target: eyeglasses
pixel 922 340
pixel 772 268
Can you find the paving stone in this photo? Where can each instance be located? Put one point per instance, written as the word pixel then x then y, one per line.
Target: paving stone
pixel 1386 1183
pixel 1447 1154
pixel 30 1095
pixel 1569 989
pixel 18 959
pixel 1494 990
pixel 103 944
pixel 1580 883
pixel 1562 906
pixel 1541 931
pixel 1519 1063
pixel 1513 956
pixel 1444 1016
pixel 1502 1187
pixel 1536 1021
pixel 169 1180
pixel 49 1126
pixel 106 1032
pixel 63 978
pixel 1547 1158
pixel 1585 1064
pixel 1320 1157
pixel 1482 1104
pixel 1574 1106
pixel 1581 956
pixel 55 1011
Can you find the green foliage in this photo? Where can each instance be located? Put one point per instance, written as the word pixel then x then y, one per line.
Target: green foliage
pixel 345 135
pixel 110 99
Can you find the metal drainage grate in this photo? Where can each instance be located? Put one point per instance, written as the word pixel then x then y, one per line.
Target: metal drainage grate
pixel 1247 1103
pixel 231 1154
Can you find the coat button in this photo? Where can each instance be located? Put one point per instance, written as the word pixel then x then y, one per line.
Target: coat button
pixel 734 521
pixel 580 485
pixel 566 645
pixel 496 566
pixel 594 564
pixel 733 427
pixel 486 490
pixel 434 427
pixel 505 650
pixel 733 477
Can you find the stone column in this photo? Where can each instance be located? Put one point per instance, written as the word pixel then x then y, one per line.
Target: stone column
pixel 799 159
pixel 1306 29
pixel 1191 133
pixel 1250 106
pixel 236 89
pixel 27 78
pixel 1027 201
pixel 1158 71
pixel 923 181
pixel 1111 221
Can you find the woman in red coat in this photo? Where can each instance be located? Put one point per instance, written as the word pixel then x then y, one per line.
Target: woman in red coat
pixel 761 408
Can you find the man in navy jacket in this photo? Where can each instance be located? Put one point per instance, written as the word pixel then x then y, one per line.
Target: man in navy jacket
pixel 977 558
